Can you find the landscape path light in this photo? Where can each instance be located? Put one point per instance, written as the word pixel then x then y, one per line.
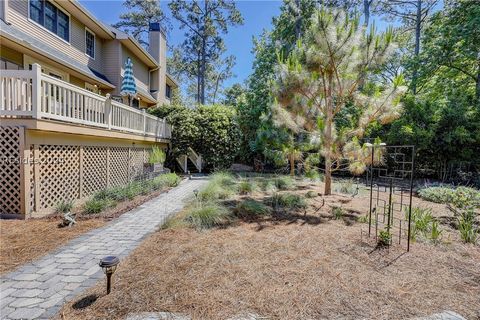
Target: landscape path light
pixel 109 265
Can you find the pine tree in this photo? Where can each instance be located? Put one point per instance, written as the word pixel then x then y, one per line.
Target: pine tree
pixel 139 16
pixel 320 79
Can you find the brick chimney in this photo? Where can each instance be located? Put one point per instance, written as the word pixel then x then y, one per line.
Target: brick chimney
pixel 158 50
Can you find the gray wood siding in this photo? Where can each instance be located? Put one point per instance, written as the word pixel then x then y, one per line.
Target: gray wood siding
pixel 111 56
pixel 140 69
pixel 18 16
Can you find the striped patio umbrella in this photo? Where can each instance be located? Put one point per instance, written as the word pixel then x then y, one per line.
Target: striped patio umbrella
pixel 129 88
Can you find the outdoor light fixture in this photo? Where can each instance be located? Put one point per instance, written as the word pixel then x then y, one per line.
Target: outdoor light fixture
pixel 195 192
pixel 109 265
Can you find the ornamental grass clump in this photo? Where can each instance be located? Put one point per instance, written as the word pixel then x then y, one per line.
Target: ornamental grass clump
pixel 284 183
pixel 64 206
pixel 288 200
pixel 221 186
pixel 94 206
pixel 246 186
pixel 207 215
pixel 252 209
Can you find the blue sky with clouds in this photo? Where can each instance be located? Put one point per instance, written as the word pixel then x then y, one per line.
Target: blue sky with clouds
pixel 257 17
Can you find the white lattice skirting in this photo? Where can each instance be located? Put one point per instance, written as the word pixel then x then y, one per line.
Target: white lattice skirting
pixel 35 178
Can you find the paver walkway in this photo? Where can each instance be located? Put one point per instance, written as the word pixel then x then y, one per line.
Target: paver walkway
pixel 38 290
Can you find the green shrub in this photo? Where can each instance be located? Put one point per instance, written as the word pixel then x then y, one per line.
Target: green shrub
pixel 437 194
pixel 384 238
pixel 252 209
pixel 208 215
pixel 97 205
pixel 460 197
pixel 284 183
pixel 246 186
pixel 314 175
pixel 337 213
pixel 64 206
pixel 289 200
pixel 157 155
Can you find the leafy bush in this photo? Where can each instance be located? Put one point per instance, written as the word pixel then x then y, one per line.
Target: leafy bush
pixel 64 206
pixel 97 205
pixel 157 155
pixel 460 197
pixel 246 187
pixel 208 215
pixel 437 194
pixel 252 209
pixel 314 175
pixel 289 200
pixel 384 238
pixel 284 183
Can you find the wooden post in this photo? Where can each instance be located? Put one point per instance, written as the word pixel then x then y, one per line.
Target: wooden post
pixel 80 175
pixel 107 178
pixel 108 111
pixel 144 121
pixel 129 163
pixel 24 173
pixel 36 91
pixel 36 181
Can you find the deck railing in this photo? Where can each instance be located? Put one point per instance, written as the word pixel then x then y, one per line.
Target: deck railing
pixel 25 93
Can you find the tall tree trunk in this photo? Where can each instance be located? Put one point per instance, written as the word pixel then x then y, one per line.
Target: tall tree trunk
pixel 418 25
pixel 204 58
pixel 477 87
pixel 328 140
pixel 298 20
pixel 366 12
pixel 198 78
pixel 292 164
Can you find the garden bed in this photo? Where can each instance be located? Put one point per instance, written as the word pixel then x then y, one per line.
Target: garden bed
pixel 23 241
pixel 286 264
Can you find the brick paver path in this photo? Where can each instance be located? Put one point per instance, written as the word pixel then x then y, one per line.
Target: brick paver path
pixel 38 290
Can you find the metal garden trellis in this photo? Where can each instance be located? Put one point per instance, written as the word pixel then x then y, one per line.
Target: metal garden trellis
pixel 390 179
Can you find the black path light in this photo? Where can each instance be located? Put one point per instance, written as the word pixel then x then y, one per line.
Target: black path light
pixel 109 265
pixel 195 192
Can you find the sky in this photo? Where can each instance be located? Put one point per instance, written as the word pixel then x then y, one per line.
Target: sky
pixel 257 16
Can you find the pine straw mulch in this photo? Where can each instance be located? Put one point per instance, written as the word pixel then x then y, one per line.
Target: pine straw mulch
pixel 23 241
pixel 293 267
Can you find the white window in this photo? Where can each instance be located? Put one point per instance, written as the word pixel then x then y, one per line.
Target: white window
pixel 50 17
pixel 89 44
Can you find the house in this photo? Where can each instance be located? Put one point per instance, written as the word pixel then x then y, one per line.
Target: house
pixel 65 130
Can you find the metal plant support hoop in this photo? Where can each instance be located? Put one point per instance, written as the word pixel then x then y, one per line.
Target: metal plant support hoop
pixel 390 180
